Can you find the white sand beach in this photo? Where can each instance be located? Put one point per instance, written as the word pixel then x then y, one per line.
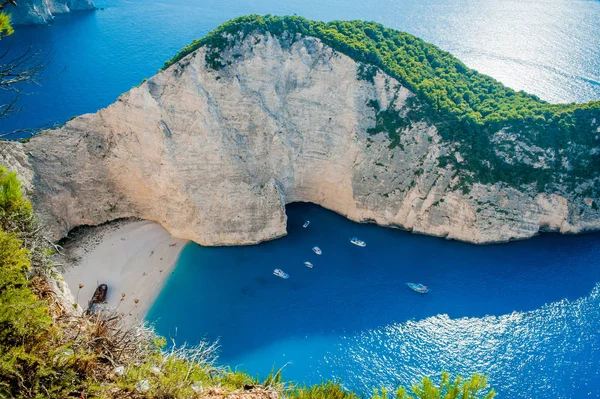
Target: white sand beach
pixel 131 257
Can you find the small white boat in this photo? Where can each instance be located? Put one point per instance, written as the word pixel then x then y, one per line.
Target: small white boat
pixel 308 264
pixel 317 250
pixel 358 242
pixel 305 225
pixel 420 288
pixel 281 273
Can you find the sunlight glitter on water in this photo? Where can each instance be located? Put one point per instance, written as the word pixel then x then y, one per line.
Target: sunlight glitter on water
pixel 536 354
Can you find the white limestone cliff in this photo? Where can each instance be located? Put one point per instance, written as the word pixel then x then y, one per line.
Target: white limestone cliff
pixel 214 156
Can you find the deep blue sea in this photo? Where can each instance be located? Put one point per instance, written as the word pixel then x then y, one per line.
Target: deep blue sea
pixel 527 314
pixel 524 313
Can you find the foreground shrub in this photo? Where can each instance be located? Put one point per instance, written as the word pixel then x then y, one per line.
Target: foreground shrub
pixel 474 388
pixel 325 390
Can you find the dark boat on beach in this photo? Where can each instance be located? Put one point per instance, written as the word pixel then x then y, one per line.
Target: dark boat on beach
pixel 98 298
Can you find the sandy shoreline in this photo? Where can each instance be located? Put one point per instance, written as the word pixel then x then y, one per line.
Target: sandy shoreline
pixel 131 257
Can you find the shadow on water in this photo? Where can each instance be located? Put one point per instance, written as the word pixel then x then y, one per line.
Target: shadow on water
pixel 231 294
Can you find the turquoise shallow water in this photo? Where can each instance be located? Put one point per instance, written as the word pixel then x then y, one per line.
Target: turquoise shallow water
pixel 524 313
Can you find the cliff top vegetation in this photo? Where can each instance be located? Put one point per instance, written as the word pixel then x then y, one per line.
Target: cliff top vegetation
pixel 471 110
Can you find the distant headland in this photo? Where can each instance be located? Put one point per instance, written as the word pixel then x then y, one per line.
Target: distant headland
pixel 41 12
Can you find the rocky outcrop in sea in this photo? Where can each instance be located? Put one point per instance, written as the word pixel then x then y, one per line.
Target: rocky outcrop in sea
pixel 40 12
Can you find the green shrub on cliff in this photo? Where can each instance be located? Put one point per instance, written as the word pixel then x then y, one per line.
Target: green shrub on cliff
pixel 13 207
pixel 475 387
pixel 30 350
pixel 325 390
pixel 23 319
pixel 467 107
pixel 5 25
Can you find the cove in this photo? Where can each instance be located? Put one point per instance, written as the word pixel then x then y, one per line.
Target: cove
pixel 524 313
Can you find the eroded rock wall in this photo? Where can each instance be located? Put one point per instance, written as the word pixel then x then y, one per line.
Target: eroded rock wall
pixel 214 156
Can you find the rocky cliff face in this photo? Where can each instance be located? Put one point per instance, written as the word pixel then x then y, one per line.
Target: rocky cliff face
pixel 39 12
pixel 214 156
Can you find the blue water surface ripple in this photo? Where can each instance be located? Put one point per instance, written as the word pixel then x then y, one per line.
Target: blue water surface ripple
pixel 524 313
